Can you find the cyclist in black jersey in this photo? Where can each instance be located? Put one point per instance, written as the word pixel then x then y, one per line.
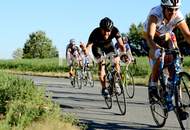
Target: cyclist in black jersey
pixel 100 40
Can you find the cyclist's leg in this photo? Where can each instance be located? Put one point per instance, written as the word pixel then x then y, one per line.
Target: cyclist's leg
pixel 102 78
pixel 71 71
pixel 153 81
pixel 97 52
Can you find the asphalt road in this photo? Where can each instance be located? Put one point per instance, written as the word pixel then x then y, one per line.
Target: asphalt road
pixel 89 106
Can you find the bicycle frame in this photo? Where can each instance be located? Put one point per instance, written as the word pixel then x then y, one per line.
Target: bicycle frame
pixel 175 64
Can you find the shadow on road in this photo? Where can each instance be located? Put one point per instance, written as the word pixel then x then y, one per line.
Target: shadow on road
pixel 117 126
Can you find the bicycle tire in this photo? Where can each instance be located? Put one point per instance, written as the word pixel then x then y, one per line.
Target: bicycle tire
pixel 120 96
pixel 129 84
pixel 183 101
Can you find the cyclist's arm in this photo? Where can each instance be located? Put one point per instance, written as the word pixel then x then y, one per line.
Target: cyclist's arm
pixel 185 30
pixel 88 46
pixel 151 32
pixel 121 45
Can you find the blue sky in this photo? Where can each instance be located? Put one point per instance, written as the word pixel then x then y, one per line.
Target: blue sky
pixel 65 19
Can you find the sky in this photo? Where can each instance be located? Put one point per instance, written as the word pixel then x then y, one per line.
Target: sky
pixel 62 20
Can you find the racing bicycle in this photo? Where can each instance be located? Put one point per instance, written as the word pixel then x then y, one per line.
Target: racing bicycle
pixel 173 91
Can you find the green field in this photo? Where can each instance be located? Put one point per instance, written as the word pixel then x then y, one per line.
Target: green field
pixel 52 67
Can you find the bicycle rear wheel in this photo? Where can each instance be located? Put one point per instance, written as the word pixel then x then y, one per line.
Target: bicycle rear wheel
pixel 129 84
pixel 119 93
pixel 182 99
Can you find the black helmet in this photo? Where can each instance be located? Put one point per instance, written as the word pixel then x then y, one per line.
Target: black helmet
pixel 106 24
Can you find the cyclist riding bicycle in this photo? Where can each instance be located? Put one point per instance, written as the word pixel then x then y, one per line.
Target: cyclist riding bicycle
pixel 100 40
pixel 86 58
pixel 158 28
pixel 72 54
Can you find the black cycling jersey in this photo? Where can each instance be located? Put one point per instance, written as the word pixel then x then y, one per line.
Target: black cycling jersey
pixel 100 44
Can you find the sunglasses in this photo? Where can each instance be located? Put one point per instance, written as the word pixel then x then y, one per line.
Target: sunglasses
pixel 171 9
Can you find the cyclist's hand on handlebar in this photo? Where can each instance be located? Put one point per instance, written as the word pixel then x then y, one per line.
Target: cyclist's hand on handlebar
pixel 124 57
pixel 83 47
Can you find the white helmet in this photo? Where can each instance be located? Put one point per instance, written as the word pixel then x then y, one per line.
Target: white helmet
pixel 171 3
pixel 72 41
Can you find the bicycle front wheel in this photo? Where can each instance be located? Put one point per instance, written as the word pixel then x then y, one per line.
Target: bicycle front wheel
pixel 182 100
pixel 119 93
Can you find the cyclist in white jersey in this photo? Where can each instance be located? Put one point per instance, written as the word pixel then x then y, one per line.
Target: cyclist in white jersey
pixel 158 28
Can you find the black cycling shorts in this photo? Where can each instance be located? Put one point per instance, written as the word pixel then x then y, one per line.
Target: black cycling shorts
pixel 98 52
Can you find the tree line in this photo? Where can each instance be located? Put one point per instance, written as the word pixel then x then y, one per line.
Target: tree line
pixel 40 46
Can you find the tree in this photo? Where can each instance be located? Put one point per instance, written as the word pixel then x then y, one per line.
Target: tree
pixel 183 45
pixel 18 53
pixel 39 46
pixel 136 40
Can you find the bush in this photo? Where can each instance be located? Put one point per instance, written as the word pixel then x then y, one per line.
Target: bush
pixel 21 103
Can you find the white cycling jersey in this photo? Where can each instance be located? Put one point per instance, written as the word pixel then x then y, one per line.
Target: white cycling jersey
pixel 161 27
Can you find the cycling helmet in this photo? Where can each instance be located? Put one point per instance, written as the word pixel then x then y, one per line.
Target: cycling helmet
pixel 106 24
pixel 72 41
pixel 171 3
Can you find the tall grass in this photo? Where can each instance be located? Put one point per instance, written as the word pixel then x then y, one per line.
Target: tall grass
pixel 36 65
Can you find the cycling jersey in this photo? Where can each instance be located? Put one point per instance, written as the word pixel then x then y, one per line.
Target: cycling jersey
pixel 100 44
pixel 162 27
pixel 72 53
